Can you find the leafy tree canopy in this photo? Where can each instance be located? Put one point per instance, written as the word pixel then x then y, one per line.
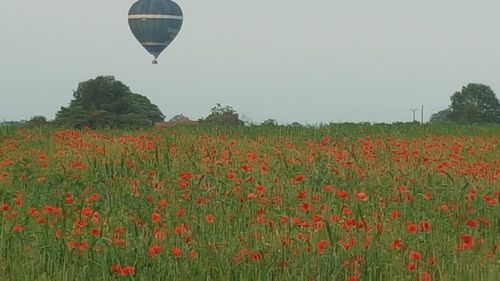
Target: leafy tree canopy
pixel 37 121
pixel 270 122
pixel 475 103
pixel 441 116
pixel 106 102
pixel 179 118
pixel 223 116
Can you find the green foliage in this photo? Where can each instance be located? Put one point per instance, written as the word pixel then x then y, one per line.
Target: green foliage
pixel 441 116
pixel 12 123
pixel 179 118
pixel 476 103
pixel 270 122
pixel 50 166
pixel 37 122
pixel 104 102
pixel 223 116
pixel 143 107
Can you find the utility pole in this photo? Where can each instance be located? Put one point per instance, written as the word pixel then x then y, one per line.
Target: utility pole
pixel 414 110
pixel 422 115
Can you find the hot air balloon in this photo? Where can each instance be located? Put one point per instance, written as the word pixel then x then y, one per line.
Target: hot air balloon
pixel 155 24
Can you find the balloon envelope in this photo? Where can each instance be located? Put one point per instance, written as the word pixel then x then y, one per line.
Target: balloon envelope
pixel 155 24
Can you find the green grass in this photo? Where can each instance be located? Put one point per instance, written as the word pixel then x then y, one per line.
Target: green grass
pixel 132 171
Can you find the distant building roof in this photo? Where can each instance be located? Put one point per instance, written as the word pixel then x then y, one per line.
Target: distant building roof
pixel 179 119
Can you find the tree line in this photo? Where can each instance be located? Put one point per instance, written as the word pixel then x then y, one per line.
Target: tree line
pixel 105 102
pixel 475 103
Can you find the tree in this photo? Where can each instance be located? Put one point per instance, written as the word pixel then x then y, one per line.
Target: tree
pixel 106 102
pixel 143 106
pixel 270 122
pixel 223 116
pixel 13 123
pixel 441 116
pixel 476 103
pixel 36 121
pixel 179 118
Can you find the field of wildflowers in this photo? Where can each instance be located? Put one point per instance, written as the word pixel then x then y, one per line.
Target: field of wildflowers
pixel 341 202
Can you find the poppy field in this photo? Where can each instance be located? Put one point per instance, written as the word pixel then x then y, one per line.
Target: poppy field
pixel 340 202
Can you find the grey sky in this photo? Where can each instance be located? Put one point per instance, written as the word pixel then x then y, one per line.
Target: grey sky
pixel 306 61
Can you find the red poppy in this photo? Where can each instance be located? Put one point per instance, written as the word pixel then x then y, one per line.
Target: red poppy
pixel 490 200
pixel 346 211
pixel 466 242
pixel 471 223
pixel 428 195
pixel 245 168
pixel 411 266
pixel 150 198
pixel 95 218
pixel 353 278
pixel 284 219
pixel 306 207
pixel 210 218
pixel 362 196
pixel 17 228
pixel 127 271
pixel 115 268
pixel 414 255
pixel 180 229
pixel 425 226
pixel 192 254
pixel 177 252
pixel 395 214
pixel 159 235
pixel 299 178
pixel 5 207
pixel 341 193
pixel 84 245
pixel 119 229
pixel 328 188
pixel 93 198
pixel 256 256
pixel 301 194
pixel 173 150
pixel 72 244
pixel 230 175
pixel 425 276
pixel 154 250
pixel 34 212
pixel 412 228
pixel 155 217
pixel 186 175
pixel 321 246
pixel 87 212
pixel 180 213
pixel 431 260
pixel 162 203
pixel 334 218
pixel 58 233
pixel 317 217
pixel 485 222
pixel 396 244
pixel 19 200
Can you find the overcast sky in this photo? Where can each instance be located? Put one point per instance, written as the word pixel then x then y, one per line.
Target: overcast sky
pixel 306 61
